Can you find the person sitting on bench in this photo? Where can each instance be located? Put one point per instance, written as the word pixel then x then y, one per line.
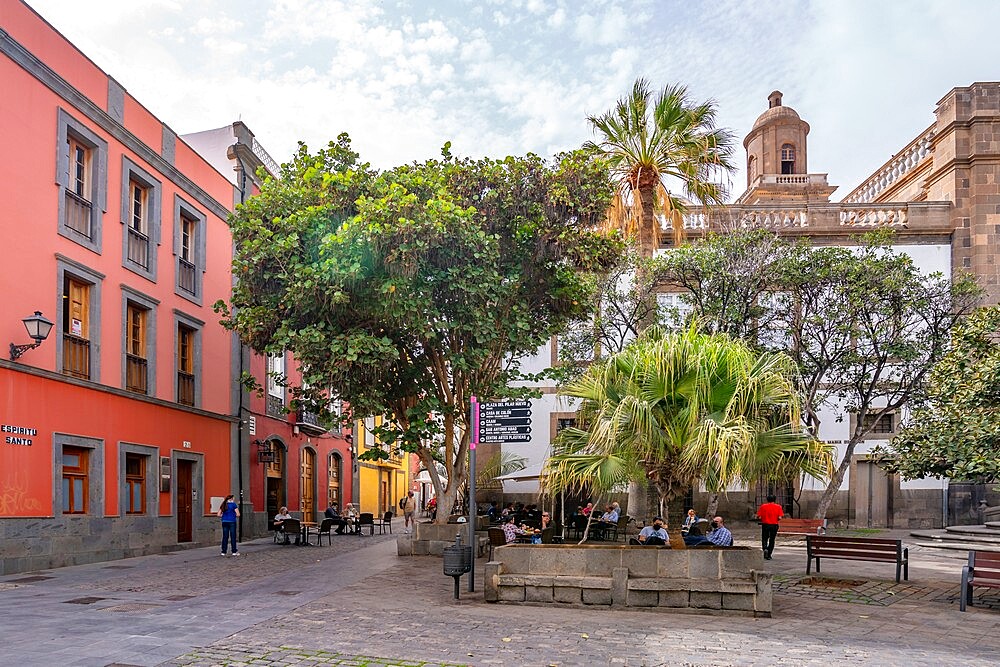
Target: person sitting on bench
pixel 719 536
pixel 654 535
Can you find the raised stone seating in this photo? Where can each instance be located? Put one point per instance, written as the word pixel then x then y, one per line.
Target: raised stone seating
pixel 725 580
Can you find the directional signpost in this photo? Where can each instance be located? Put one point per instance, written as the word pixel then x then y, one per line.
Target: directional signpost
pixel 502 421
pixel 505 421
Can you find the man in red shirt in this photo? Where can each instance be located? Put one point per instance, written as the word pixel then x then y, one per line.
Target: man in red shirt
pixel 769 514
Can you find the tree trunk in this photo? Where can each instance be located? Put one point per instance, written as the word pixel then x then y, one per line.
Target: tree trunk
pixel 643 501
pixel 713 506
pixel 675 517
pixel 648 235
pixel 590 517
pixel 838 478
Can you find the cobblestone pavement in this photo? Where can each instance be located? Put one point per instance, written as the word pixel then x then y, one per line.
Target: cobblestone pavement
pixel 339 605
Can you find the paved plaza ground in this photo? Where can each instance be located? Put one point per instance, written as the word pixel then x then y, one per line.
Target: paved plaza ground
pixel 357 603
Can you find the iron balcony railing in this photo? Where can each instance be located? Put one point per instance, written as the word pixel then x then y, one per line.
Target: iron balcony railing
pixel 76 356
pixel 78 213
pixel 186 276
pixel 135 373
pixel 309 422
pixel 185 388
pixel 138 248
pixel 276 406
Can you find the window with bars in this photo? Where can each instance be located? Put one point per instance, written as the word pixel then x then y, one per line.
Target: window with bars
pixel 75 479
pixel 275 388
pixel 81 174
pixel 884 425
pixel 136 364
pixel 76 328
pixel 185 365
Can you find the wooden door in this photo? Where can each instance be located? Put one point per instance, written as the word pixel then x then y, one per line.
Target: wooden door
pixel 872 496
pixel 383 496
pixel 185 501
pixel 308 486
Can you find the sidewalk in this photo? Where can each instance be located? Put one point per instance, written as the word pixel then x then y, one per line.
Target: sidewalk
pixel 330 605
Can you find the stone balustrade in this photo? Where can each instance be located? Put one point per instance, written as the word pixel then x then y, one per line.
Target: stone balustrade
pixel 723 580
pixel 914 217
pixel 903 162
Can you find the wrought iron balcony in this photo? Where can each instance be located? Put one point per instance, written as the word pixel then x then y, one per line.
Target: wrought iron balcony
pixel 186 276
pixel 76 356
pixel 138 248
pixel 135 374
pixel 185 388
pixel 77 213
pixel 309 423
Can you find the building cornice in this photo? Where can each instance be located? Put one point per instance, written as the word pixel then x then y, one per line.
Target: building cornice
pixel 114 391
pixel 48 77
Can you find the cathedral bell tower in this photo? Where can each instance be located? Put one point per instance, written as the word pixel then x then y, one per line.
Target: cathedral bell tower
pixel 776 160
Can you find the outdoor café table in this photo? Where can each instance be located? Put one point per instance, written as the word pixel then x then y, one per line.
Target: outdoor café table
pixel 305 532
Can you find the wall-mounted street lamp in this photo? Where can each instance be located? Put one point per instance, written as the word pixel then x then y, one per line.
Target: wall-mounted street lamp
pixel 38 328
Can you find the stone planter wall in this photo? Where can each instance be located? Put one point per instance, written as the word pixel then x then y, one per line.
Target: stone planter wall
pixel 430 539
pixel 716 579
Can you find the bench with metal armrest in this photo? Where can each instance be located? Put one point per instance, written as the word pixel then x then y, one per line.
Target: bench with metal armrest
pixel 858 548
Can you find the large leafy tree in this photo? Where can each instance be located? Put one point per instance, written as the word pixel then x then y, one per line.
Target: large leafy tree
pixel 407 292
pixel 864 325
pixel 681 408
pixel 954 429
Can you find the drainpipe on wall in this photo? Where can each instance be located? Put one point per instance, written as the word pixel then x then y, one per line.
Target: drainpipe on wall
pixel 242 187
pixel 944 504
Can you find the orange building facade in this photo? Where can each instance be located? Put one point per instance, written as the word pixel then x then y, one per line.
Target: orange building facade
pixel 119 430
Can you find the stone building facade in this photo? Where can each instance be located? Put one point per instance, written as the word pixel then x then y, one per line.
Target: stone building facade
pixel 940 194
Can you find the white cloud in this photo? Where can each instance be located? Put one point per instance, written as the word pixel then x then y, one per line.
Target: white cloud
pixel 402 77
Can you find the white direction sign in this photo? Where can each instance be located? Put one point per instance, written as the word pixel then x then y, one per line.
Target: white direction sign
pixel 505 421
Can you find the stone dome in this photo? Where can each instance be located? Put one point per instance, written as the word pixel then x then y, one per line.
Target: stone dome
pixel 774 113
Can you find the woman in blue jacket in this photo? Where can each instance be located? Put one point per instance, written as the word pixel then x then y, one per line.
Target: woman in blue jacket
pixel 229 511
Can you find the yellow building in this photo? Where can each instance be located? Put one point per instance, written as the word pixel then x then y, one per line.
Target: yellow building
pixel 380 483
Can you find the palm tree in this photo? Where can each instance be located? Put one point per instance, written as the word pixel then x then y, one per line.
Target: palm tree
pixel 650 138
pixel 682 408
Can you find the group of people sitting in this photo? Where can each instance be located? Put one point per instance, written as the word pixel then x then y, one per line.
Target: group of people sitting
pixel 692 532
pixel 520 513
pixel 348 519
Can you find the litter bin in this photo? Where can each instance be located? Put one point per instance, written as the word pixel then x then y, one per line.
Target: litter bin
pixel 457 560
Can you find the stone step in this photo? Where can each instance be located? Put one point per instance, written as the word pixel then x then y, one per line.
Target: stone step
pixel 993 524
pixel 948 536
pixel 974 530
pixel 961 546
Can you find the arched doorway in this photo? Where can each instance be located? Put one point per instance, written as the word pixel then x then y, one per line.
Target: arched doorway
pixel 307 500
pixel 274 479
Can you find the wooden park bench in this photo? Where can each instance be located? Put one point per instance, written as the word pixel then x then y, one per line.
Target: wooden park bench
pixel 983 570
pixel 789 526
pixel 858 548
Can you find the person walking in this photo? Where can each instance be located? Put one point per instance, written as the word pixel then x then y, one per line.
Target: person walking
pixel 409 507
pixel 769 514
pixel 229 512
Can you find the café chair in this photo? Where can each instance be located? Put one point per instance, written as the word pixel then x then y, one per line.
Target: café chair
pixel 385 522
pixel 325 528
pixel 291 528
pixel 497 538
pixel 366 520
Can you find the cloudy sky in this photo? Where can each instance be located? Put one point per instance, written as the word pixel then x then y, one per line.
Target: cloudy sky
pixel 498 77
